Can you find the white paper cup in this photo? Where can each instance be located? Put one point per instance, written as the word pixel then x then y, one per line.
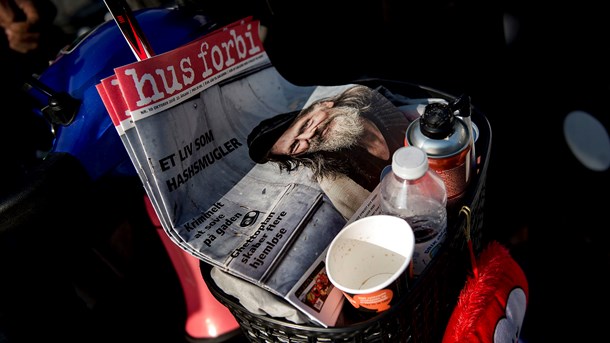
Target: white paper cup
pixel 368 261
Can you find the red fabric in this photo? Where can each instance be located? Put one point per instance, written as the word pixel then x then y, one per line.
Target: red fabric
pixel 491 306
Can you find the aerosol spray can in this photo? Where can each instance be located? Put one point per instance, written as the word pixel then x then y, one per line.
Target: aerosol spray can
pixel 445 132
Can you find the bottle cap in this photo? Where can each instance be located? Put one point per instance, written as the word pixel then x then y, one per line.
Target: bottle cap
pixel 410 162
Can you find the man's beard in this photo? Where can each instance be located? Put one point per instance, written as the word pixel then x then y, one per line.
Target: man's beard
pixel 345 128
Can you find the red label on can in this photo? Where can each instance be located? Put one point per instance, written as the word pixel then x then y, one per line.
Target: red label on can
pixel 454 170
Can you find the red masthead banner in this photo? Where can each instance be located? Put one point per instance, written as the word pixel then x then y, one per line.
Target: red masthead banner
pixel 162 81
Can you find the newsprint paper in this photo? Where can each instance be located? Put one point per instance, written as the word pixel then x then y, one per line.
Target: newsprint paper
pixel 185 117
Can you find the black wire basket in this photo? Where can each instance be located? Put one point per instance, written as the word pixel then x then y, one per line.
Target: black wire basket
pixel 421 315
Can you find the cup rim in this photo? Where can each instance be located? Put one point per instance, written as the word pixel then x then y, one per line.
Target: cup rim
pixel 410 246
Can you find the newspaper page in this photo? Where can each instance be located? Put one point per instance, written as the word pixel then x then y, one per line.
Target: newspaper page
pixel 117 109
pixel 205 119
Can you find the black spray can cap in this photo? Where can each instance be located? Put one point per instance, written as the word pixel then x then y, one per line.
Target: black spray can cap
pixel 439 131
pixel 438 119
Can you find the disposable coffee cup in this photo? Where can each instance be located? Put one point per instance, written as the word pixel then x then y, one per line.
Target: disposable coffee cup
pixel 368 261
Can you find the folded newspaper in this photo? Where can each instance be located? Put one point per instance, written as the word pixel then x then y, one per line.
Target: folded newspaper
pixel 240 169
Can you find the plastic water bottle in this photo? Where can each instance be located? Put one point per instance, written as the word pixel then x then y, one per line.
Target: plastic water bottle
pixel 417 194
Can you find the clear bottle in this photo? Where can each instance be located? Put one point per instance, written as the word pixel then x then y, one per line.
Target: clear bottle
pixel 417 194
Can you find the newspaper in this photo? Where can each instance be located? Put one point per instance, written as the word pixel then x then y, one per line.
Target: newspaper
pixel 187 118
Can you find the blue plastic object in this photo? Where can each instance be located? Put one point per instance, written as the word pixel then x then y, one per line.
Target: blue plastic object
pixel 91 137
